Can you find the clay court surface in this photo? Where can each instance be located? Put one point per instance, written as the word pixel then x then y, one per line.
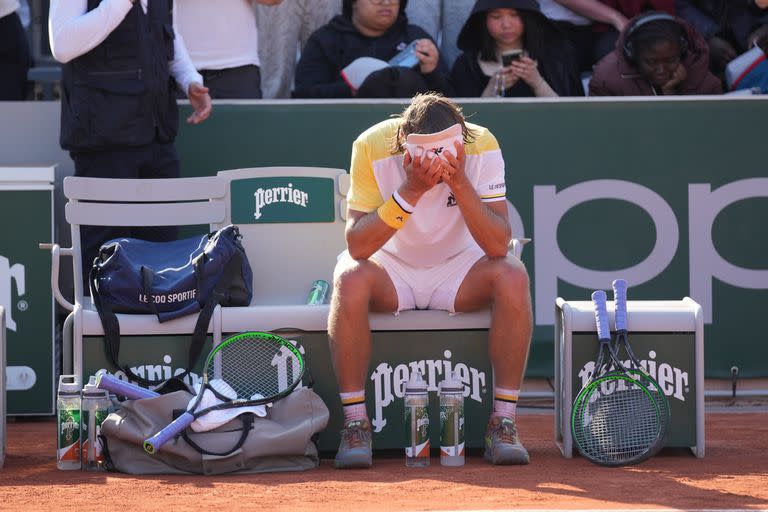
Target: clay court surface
pixel 733 475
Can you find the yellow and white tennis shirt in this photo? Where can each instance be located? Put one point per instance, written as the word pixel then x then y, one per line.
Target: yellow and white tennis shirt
pixel 436 231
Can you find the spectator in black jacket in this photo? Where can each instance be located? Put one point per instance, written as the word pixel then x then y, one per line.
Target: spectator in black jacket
pixel 730 27
pixel 542 65
pixel 368 28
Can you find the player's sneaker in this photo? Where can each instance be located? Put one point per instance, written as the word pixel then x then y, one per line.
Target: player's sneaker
pixel 502 445
pixel 355 448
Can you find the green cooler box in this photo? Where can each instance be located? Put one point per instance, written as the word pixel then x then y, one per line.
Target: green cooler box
pixel 667 335
pixel 26 214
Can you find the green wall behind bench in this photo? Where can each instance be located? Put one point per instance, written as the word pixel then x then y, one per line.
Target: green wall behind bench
pixel 655 153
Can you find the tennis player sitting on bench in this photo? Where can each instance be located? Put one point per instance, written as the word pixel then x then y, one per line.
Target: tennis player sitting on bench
pixel 428 231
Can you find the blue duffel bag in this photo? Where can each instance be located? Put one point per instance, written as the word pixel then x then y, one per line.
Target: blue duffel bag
pixel 170 280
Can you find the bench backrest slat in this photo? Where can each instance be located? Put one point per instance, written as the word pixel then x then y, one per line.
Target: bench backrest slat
pixel 142 190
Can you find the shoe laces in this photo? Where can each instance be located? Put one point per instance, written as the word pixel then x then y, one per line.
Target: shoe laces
pixel 504 431
pixel 355 435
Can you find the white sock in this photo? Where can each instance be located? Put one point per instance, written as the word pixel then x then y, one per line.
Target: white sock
pixel 354 405
pixel 505 402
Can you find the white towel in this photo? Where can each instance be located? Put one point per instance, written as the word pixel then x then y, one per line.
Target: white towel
pixel 217 418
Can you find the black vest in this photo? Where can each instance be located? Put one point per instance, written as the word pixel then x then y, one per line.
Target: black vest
pixel 121 93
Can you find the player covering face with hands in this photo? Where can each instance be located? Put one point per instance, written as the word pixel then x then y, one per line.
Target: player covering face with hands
pixel 428 229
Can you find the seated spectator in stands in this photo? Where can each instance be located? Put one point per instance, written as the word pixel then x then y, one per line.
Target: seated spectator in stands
pixel 14 53
pixel 443 19
pixel 608 33
pixel 368 28
pixel 222 41
pixel 499 27
pixel 729 27
pixel 283 32
pixel 657 54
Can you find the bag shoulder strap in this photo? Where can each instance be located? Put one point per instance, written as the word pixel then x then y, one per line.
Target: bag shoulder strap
pixel 246 418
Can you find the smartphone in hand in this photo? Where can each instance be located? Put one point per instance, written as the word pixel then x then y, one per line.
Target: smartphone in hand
pixel 510 56
pixel 406 58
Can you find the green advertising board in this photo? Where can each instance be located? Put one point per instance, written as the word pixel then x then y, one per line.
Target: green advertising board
pixel 282 199
pixel 669 358
pixel 647 190
pixel 26 210
pixel 395 356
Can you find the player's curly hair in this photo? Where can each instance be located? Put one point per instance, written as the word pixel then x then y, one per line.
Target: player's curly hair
pixel 429 113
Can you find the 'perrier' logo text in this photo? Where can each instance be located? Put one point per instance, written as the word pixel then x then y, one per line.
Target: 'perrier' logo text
pixel 389 382
pixel 267 196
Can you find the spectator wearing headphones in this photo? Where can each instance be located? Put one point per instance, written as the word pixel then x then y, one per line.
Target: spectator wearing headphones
pixel 656 54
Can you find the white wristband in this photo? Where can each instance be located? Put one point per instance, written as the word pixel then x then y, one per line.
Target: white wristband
pixel 405 205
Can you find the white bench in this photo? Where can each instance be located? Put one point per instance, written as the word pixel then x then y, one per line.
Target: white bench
pixel 286 257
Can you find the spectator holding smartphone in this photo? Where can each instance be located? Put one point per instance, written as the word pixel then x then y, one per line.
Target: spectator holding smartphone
pixel 368 28
pixel 511 49
pixel 657 54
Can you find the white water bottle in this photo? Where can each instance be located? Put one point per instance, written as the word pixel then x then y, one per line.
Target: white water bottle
pixel 416 422
pixel 451 391
pixel 68 423
pixel 95 407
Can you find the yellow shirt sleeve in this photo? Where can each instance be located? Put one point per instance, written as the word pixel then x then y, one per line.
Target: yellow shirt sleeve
pixel 364 194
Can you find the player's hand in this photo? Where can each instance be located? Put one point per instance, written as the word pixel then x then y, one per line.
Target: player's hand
pixel 678 76
pixel 428 55
pixel 454 168
pixel 201 103
pixel 421 174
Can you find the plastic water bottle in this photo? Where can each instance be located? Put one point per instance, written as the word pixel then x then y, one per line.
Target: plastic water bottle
pixel 95 408
pixel 451 391
pixel 68 423
pixel 416 422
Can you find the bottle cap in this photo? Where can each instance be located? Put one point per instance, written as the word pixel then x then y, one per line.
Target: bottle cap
pixel 91 390
pixel 451 384
pixel 68 385
pixel 416 384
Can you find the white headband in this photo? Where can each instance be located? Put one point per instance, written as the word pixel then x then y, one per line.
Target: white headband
pixel 435 144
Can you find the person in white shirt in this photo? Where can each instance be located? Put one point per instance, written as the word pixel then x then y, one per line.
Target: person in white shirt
pixel 14 53
pixel 122 62
pixel 223 43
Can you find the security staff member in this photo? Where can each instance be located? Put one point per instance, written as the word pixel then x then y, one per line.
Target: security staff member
pixel 122 62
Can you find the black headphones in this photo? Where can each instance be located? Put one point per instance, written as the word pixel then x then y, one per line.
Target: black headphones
pixel 629 47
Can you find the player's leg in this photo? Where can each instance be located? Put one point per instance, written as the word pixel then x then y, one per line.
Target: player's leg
pixel 359 286
pixel 503 284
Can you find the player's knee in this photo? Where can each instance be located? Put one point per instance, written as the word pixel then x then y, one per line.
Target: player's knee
pixel 510 277
pixel 354 282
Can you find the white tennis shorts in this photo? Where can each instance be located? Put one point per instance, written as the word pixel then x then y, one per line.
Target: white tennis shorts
pixel 422 287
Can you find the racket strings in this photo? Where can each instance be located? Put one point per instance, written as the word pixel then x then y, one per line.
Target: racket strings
pixel 617 427
pixel 255 368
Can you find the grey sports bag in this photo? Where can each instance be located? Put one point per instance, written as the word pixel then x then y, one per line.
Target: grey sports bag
pixel 284 440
